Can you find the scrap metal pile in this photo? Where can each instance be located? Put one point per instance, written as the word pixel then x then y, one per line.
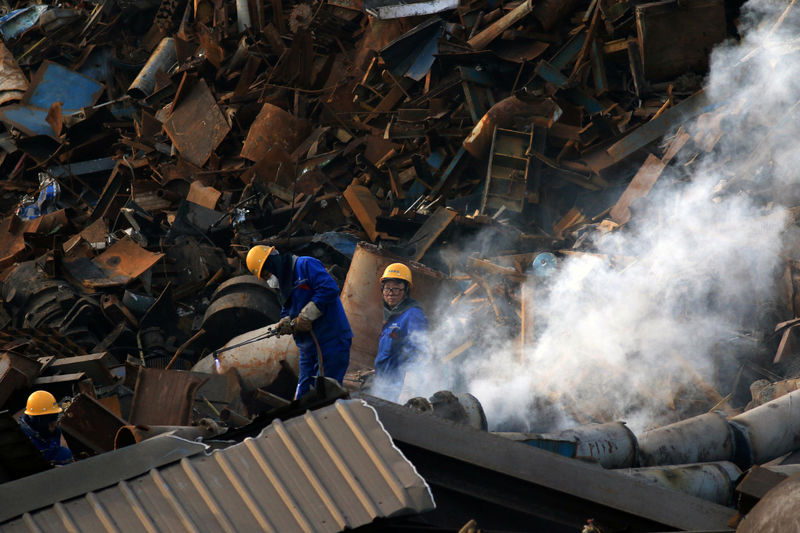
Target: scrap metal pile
pixel 147 146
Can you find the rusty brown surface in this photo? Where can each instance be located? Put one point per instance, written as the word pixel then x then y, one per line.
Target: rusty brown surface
pixel 197 126
pixel 273 129
pixel 120 264
pixel 91 423
pixel 164 397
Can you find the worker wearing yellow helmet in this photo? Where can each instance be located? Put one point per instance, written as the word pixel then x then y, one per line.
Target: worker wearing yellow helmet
pixel 310 310
pixel 40 424
pixel 403 338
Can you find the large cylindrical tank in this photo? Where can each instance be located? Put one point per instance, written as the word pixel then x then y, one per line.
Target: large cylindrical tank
pixel 258 363
pixel 769 430
pixel 612 445
pixel 710 481
pixel 362 301
pixel 701 439
pixel 239 305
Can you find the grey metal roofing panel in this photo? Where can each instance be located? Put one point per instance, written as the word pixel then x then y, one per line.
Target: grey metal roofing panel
pixel 92 474
pixel 328 470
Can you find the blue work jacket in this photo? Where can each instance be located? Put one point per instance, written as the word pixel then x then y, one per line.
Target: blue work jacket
pixel 49 445
pixel 403 339
pixel 312 282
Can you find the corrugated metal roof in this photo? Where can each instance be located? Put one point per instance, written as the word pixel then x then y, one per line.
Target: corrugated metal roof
pixel 328 470
pixel 95 473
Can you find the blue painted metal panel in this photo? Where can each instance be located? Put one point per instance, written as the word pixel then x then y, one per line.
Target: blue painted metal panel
pixel 344 243
pixel 449 170
pixel 56 83
pixel 28 119
pixel 569 52
pixel 479 77
pixel 413 53
pixel 561 447
pixel 550 74
pixel 19 21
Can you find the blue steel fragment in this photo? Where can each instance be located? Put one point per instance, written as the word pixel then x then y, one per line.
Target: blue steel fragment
pixel 344 243
pixel 413 53
pixel 82 167
pixel 19 21
pixel 51 83
pixel 56 83
pixel 30 120
pixel 569 52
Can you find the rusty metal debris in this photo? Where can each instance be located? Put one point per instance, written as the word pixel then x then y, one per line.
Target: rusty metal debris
pixel 147 145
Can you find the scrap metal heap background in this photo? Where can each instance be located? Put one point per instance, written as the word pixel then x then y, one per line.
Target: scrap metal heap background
pixel 145 147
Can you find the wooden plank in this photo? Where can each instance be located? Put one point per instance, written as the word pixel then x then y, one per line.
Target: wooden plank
pixel 639 186
pixel 675 37
pixel 365 207
pixel 427 234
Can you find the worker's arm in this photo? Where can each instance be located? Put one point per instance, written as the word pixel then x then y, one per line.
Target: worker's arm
pixel 324 292
pixel 323 287
pixel 416 341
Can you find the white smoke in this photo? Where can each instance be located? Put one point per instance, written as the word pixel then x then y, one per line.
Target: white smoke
pixel 622 340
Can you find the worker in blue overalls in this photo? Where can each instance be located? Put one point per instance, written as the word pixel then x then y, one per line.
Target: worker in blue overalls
pixel 40 424
pixel 403 337
pixel 310 310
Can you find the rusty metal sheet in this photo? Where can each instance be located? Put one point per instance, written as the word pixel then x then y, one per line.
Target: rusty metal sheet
pixel 91 424
pixel 16 372
pixel 13 82
pixel 164 397
pixel 12 238
pixel 274 128
pixel 197 126
pixel 202 195
pixel 639 186
pixel 777 510
pixel 115 267
pixel 50 84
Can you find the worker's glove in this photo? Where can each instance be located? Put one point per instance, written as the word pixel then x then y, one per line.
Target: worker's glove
pixel 284 327
pixel 309 314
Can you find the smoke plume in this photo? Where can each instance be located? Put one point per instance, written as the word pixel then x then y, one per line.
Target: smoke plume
pixel 663 304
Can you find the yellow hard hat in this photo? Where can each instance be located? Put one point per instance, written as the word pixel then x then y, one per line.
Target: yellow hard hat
pixel 397 271
pixel 42 402
pixel 256 258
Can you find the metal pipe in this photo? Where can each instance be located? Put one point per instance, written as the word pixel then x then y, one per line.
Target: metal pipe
pixel 162 59
pixel 612 445
pixel 701 439
pixel 243 15
pixel 128 435
pixel 710 481
pixel 183 347
pixel 257 363
pixel 233 419
pixel 768 431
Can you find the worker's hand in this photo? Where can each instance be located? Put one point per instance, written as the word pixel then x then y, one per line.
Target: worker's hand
pixel 302 324
pixel 309 313
pixel 284 327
